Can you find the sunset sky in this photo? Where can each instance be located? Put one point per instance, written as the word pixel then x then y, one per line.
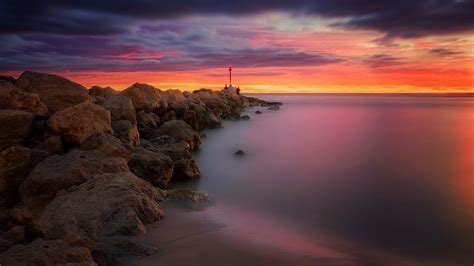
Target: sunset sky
pixel 274 46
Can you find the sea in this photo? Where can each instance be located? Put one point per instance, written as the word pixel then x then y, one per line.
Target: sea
pixel 330 179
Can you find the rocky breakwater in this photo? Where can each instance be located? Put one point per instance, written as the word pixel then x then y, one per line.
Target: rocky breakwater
pixel 80 170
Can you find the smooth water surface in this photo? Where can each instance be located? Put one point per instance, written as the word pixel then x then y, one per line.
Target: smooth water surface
pixel 331 180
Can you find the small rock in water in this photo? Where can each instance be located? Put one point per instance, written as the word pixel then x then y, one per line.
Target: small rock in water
pixel 239 152
pixel 274 107
pixel 258 112
pixel 245 117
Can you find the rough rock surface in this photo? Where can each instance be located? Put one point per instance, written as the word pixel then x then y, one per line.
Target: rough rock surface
pixel 16 163
pixel 144 97
pixel 180 130
pixel 126 132
pixel 155 167
pixel 102 92
pixel 121 108
pixel 81 121
pixel 59 172
pixel 75 194
pixel 46 252
pixel 122 205
pixel 147 124
pixel 185 167
pixel 183 193
pixel 16 127
pixel 13 98
pixel 56 92
pixel 52 145
pixel 108 144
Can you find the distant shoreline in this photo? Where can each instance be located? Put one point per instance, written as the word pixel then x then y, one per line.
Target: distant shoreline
pixel 411 94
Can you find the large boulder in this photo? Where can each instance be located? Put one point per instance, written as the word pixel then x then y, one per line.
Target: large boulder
pixel 47 252
pixel 121 108
pixel 191 118
pixel 180 130
pixel 147 124
pixel 16 163
pixel 108 205
pixel 205 116
pixel 185 167
pixel 212 100
pixel 16 127
pixel 101 94
pixel 144 97
pixel 56 92
pixel 13 98
pixel 154 167
pixel 52 145
pixel 126 132
pixel 59 172
pixel 81 121
pixel 104 92
pixel 172 97
pixel 108 144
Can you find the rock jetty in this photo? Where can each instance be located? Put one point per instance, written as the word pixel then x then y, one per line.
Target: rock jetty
pixel 81 169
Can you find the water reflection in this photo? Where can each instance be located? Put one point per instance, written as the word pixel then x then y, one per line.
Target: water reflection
pixel 362 176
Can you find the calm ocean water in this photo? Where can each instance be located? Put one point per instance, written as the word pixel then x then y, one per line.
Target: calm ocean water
pixel 331 180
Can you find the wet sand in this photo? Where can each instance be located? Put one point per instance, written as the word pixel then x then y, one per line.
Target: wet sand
pixel 190 234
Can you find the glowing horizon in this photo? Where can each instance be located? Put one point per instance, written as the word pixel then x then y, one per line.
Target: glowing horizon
pixel 270 50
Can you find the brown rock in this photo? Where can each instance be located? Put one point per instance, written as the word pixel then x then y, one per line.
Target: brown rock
pixel 16 127
pixel 46 252
pixel 180 130
pixel 213 100
pixel 185 167
pixel 13 98
pixel 16 234
pixel 147 124
pixel 173 96
pixel 108 144
pixel 191 118
pixel 121 108
pixel 16 163
pixel 52 145
pixel 104 92
pixel 59 172
pixel 107 205
pixel 169 115
pixel 154 167
pixel 183 193
pixel 81 121
pixel 56 92
pixel 126 132
pixel 144 97
pixel 21 214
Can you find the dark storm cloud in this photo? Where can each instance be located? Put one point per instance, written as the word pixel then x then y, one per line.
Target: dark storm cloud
pixel 396 18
